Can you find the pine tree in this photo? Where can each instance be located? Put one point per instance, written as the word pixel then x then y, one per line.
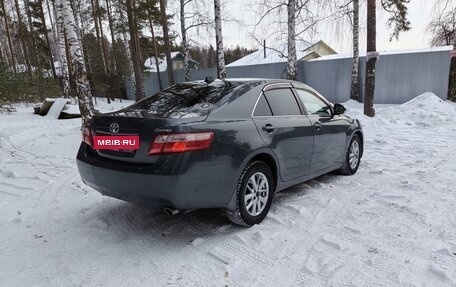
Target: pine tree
pixel 169 61
pixel 135 49
pixel 398 19
pixel 8 35
pixel 371 59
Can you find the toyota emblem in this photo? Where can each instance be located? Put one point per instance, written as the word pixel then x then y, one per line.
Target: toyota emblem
pixel 114 128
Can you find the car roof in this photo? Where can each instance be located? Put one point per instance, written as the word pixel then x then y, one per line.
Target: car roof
pixel 264 81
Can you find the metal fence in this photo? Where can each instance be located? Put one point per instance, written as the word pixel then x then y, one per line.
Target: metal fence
pixel 399 77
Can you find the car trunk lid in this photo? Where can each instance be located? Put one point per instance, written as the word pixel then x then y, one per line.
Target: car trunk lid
pixel 147 128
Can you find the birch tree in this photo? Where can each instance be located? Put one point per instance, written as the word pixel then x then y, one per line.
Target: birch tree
pixel 62 51
pixel 196 18
pixel 291 41
pixel 354 94
pixel 302 19
pixel 78 66
pixel 184 40
pixel 221 72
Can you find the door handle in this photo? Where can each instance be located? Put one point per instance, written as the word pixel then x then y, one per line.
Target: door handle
pixel 268 128
pixel 317 125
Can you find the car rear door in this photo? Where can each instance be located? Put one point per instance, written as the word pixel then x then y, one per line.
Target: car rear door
pixel 283 127
pixel 330 131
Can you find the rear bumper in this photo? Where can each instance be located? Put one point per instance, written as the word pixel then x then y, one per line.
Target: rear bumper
pixel 200 186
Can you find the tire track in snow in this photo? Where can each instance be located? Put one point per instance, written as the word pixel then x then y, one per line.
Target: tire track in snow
pixel 132 221
pixel 241 250
pixel 43 205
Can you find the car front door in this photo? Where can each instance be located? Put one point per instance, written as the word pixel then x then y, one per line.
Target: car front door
pixel 285 130
pixel 330 132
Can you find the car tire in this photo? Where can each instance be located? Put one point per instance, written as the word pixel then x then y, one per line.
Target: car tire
pixel 353 157
pixel 254 193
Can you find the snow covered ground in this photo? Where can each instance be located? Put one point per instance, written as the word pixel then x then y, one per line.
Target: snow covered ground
pixel 391 224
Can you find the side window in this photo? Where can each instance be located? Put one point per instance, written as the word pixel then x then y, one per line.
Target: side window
pixel 282 102
pixel 313 104
pixel 262 108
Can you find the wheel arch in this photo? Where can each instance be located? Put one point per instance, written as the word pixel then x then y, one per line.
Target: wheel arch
pixel 263 155
pixel 270 162
pixel 361 137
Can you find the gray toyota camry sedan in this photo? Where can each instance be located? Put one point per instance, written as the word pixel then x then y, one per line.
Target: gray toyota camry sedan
pixel 228 144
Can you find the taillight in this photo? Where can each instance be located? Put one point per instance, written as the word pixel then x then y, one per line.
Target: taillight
pixel 176 143
pixel 87 135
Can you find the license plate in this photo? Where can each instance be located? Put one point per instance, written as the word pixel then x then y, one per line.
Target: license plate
pixel 130 142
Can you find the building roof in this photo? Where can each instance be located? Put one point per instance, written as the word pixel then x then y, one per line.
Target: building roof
pixel 386 52
pixel 277 54
pixel 150 65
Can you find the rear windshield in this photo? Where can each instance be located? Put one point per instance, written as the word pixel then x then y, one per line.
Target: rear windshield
pixel 186 100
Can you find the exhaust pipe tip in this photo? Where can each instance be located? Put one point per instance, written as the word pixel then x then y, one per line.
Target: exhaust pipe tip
pixel 172 211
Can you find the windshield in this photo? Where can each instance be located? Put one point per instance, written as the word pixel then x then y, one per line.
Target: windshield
pixel 186 99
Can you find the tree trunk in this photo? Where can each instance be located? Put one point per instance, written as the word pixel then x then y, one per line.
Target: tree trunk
pixel 291 66
pixel 157 65
pixel 452 78
pixel 354 95
pixel 184 41
pixel 97 34
pixel 169 60
pixel 78 66
pixel 137 66
pixel 62 52
pixel 126 41
pixel 76 13
pixel 8 35
pixel 103 48
pixel 51 21
pixel 23 39
pixel 113 40
pixel 32 50
pixel 371 59
pixel 46 36
pixel 221 72
pixel 102 39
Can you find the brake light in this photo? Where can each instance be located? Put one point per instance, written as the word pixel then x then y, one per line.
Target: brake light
pixel 177 143
pixel 87 135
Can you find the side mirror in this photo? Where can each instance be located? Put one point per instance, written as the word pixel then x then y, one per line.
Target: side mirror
pixel 339 109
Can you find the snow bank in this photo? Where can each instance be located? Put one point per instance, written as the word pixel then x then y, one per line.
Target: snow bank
pixel 426 110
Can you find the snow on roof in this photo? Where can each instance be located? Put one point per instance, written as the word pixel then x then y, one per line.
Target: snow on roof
pixel 386 52
pixel 277 54
pixel 150 65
